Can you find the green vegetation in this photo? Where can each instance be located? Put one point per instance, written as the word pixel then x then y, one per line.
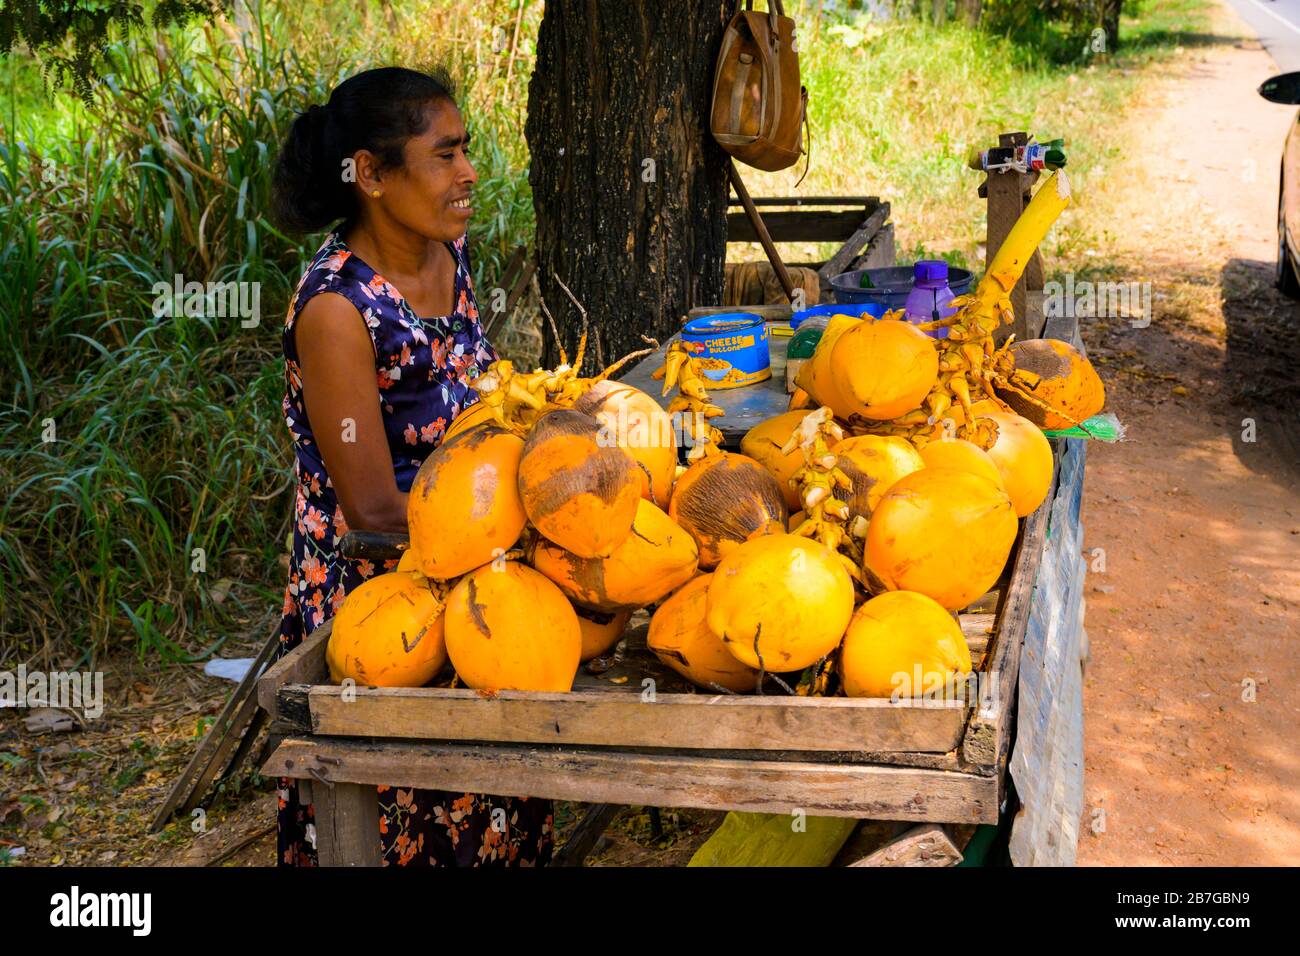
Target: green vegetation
pixel 169 431
pixel 897 108
pixel 169 435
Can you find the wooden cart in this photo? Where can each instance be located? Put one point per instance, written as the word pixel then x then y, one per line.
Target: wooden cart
pixel 637 734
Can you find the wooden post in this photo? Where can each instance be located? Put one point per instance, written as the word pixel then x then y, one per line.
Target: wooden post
pixel 1008 194
pixel 764 237
pixel 587 833
pixel 347 824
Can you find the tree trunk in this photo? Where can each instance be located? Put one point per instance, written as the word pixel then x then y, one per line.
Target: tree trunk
pixel 1110 23
pixel 629 188
pixel 970 11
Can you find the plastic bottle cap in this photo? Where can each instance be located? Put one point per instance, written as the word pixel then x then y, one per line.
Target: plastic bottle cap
pixel 930 270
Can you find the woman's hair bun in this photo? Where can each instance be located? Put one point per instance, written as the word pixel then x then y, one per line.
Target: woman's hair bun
pixel 378 110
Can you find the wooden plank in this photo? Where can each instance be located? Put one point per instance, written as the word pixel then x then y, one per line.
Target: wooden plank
pixel 305 664
pixel 988 734
pixel 212 743
pixel 521 285
pixel 924 845
pixel 698 721
pixel 516 284
pixel 880 252
pixel 230 740
pixel 849 251
pixel 864 202
pixel 869 837
pixel 850 790
pixel 246 742
pixel 772 313
pixel 1063 327
pixel 347 824
pixel 1008 193
pixel 978 631
pixel 583 839
pixel 798 226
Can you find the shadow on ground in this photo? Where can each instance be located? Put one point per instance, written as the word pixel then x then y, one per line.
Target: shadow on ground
pixel 1262 367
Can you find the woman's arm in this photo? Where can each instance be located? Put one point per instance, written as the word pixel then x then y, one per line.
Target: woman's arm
pixel 337 361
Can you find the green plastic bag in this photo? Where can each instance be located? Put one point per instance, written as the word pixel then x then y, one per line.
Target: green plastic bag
pixel 774 839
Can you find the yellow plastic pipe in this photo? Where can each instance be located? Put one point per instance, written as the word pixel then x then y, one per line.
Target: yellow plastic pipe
pixel 774 839
pixel 1015 252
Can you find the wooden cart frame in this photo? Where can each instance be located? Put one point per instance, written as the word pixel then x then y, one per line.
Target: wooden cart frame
pixel 621 744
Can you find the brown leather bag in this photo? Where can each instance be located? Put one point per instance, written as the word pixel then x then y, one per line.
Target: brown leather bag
pixel 759 108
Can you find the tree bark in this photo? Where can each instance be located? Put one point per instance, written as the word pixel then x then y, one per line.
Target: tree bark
pixel 629 188
pixel 970 11
pixel 1110 23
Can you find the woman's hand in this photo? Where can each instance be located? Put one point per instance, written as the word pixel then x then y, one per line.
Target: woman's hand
pixel 337 361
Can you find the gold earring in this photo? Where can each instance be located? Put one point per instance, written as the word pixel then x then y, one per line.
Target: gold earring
pixel 374 193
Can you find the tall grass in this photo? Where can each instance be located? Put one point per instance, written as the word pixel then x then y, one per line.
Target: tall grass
pixel 156 517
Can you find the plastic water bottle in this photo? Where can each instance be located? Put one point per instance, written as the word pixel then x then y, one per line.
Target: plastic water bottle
pixel 930 296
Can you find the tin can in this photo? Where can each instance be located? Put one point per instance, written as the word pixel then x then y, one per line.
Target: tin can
pixel 734 348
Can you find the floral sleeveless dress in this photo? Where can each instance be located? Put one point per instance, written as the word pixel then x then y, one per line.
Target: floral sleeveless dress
pixel 423 367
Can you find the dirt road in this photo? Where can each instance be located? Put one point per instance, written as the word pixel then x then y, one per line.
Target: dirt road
pixel 1190 696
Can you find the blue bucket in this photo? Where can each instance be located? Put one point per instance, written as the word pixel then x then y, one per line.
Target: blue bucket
pixel 735 348
pixel 892 285
pixel 857 311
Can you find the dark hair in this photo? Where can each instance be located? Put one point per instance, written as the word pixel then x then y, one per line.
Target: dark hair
pixel 378 110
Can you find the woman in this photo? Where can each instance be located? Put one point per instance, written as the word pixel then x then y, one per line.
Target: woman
pixel 381 342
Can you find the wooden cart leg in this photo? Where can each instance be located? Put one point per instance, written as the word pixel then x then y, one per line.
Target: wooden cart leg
pixel 347 824
pixel 585 834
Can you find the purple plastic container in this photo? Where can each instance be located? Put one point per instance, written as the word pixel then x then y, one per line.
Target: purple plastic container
pixel 930 295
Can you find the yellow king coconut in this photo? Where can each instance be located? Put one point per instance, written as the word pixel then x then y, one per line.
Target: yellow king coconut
pixel 600 631
pixel 873 463
pixel 943 533
pixel 1023 456
pixel 962 455
pixel 654 560
pixel 464 507
pixel 509 628
pixel 1062 379
pixel 470 417
pixel 641 428
pixel 681 639
pixel 764 442
pixel 724 499
pixel 819 377
pixel 780 602
pixel 578 490
pixel 905 644
pixel 884 369
pixel 388 633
